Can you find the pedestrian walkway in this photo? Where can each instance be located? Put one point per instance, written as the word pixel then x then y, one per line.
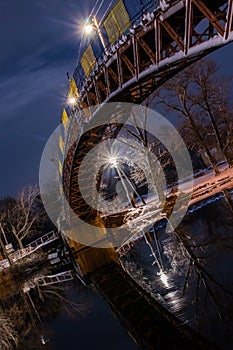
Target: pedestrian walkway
pixel 31 248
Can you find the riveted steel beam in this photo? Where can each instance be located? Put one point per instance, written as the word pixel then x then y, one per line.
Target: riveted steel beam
pixel 150 55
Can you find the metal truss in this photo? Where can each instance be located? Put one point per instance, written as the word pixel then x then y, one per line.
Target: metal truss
pixel 162 45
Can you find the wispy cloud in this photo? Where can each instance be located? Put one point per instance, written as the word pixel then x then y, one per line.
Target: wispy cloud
pixel 27 87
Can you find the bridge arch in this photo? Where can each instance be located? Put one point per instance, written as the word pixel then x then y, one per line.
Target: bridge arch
pixel 147 51
pixel 161 42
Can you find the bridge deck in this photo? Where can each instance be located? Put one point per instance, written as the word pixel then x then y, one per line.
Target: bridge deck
pixel 161 45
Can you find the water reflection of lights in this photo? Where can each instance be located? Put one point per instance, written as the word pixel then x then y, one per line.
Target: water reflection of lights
pixel 175 301
pixel 164 279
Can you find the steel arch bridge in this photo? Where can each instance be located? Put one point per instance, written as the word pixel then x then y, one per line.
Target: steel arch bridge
pixel 143 56
pixel 147 48
pixel 149 45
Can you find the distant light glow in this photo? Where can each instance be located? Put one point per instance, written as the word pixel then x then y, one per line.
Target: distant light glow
pixel 164 279
pixel 88 28
pixel 71 101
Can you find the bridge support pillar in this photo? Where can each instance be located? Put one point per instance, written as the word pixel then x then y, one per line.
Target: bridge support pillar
pixel 90 258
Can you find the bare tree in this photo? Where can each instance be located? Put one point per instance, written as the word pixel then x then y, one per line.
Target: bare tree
pixel 213 97
pixel 8 335
pixel 201 98
pixel 17 216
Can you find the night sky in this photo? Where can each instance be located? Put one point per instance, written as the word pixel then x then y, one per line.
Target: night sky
pixel 39 44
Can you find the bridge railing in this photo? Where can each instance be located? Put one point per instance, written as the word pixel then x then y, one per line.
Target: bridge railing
pixel 125 19
pixel 175 38
pixel 57 278
pixel 45 239
pixel 48 280
pixel 33 246
pixel 116 24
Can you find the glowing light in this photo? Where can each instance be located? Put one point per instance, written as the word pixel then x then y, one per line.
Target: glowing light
pixel 88 28
pixel 113 161
pixel 71 101
pixel 164 279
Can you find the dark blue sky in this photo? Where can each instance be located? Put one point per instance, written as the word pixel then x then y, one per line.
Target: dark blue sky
pixel 39 44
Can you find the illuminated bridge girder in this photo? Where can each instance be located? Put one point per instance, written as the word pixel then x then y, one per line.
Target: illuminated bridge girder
pixel 151 54
pixel 164 44
pixel 157 49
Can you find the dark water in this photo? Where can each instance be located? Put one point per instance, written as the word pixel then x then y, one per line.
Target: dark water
pixel 97 328
pixel 200 258
pixel 209 233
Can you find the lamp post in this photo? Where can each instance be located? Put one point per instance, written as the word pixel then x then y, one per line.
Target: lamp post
pixel 115 164
pixel 94 25
pixel 71 101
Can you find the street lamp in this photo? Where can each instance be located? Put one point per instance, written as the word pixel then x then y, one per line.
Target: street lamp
pixel 88 28
pixel 114 163
pixel 94 25
pixel 71 101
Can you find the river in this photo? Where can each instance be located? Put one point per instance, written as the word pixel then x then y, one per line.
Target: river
pixel 95 328
pixel 209 310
